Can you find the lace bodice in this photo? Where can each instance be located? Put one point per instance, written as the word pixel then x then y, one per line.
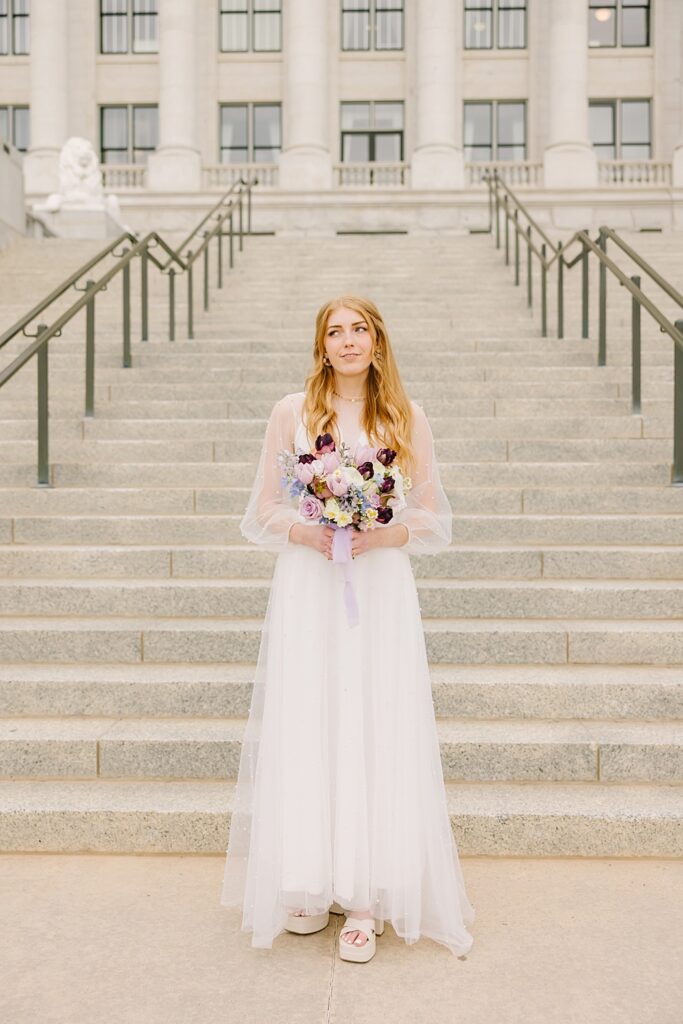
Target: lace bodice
pixel 271 513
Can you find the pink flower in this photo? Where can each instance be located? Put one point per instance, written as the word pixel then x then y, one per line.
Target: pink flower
pixel 303 472
pixel 364 453
pixel 330 461
pixel 337 482
pixel 310 507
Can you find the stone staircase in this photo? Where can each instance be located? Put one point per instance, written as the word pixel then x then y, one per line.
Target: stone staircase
pixel 130 607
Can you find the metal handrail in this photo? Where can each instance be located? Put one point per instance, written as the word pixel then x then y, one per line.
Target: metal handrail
pixel 512 207
pixel 142 249
pixel 217 206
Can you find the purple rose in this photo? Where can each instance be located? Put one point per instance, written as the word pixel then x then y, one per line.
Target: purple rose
pixel 366 471
pixel 385 515
pixel 387 485
pixel 386 456
pixel 324 443
pixel 311 508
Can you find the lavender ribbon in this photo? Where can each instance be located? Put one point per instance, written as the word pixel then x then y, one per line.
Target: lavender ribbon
pixel 341 553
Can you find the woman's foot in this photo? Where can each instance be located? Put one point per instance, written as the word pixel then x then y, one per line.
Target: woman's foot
pixel 357 938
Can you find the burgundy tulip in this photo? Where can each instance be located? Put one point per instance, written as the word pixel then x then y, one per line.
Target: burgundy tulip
pixel 386 456
pixel 366 471
pixel 387 485
pixel 307 457
pixel 384 514
pixel 324 443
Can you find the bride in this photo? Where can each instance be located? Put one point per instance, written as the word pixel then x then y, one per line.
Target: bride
pixel 340 802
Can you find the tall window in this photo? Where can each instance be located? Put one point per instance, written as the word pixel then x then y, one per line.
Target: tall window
pixel 250 25
pixel 372 24
pixel 495 24
pixel 372 132
pixel 619 23
pixel 250 133
pixel 495 131
pixel 14 27
pixel 129 26
pixel 620 129
pixel 128 133
pixel 15 127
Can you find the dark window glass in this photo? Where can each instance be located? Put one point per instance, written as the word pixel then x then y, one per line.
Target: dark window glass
pixel 114 134
pixel 128 134
pixel 635 130
pixel 4 124
pixel 145 132
pixel 114 26
pixel 478 24
pixel 267 25
pixel 234 26
pixel 511 24
pixel 267 141
pixel 372 132
pixel 234 137
pixel 21 10
pixel 22 128
pixel 4 31
pixel 495 23
pixel 355 24
pixel 619 23
pixel 603 130
pixel 511 140
pixel 145 26
pixel 388 24
pixel 478 127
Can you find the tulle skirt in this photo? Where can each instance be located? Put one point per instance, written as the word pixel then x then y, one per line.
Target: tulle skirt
pixel 340 792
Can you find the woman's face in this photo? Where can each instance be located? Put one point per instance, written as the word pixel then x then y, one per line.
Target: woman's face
pixel 348 343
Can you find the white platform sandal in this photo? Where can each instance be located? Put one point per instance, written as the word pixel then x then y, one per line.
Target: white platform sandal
pixel 370 927
pixel 306 924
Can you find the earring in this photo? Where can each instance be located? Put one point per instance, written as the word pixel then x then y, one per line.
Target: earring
pixel 326 361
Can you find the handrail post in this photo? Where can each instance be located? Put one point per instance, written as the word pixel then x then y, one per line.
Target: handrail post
pixel 497 211
pixel 584 288
pixel 206 272
pixel 677 474
pixel 127 361
pixel 560 291
pixel 90 352
pixel 248 210
pixel 231 240
pixel 239 211
pixel 219 239
pixel 43 420
pixel 516 246
pixel 190 295
pixel 144 293
pixel 171 304
pixel 529 297
pixel 602 337
pixel 507 231
pixel 488 182
pixel 635 348
pixel 544 293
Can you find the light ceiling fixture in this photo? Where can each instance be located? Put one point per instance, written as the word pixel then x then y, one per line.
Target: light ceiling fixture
pixel 603 14
pixel 479 26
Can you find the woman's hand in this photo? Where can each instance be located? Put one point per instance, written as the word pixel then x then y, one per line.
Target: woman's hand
pixel 318 537
pixel 381 537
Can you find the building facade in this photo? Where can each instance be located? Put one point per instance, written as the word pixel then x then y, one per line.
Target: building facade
pixel 385 110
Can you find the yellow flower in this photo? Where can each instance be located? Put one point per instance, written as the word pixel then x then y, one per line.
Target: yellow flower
pixel 332 509
pixel 371 514
pixel 344 519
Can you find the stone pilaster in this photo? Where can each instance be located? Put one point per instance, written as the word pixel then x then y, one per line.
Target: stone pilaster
pixel 305 161
pixel 176 165
pixel 48 98
pixel 569 160
pixel 437 159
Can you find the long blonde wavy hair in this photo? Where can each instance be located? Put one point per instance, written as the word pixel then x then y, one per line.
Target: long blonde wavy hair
pixel 387 416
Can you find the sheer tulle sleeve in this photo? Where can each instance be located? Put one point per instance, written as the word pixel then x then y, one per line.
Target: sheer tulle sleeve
pixel 428 515
pixel 270 513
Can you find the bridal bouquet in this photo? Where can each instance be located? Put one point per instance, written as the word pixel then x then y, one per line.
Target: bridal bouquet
pixel 337 491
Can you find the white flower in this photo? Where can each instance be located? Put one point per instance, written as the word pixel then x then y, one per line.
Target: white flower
pixel 353 476
pixel 344 519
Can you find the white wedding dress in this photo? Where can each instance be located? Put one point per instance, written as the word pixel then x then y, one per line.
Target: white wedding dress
pixel 340 792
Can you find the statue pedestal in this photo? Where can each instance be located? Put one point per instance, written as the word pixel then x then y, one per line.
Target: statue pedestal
pixel 77 220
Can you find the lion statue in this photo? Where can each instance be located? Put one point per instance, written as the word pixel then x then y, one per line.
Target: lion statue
pixel 80 179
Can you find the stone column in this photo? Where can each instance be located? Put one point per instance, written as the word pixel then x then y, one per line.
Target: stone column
pixel 437 159
pixel 677 168
pixel 569 160
pixel 176 165
pixel 305 161
pixel 48 94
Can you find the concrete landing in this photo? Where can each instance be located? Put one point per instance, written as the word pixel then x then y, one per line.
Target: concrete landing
pixel 113 939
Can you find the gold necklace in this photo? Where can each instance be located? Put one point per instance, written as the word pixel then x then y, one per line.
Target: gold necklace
pixel 347 399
